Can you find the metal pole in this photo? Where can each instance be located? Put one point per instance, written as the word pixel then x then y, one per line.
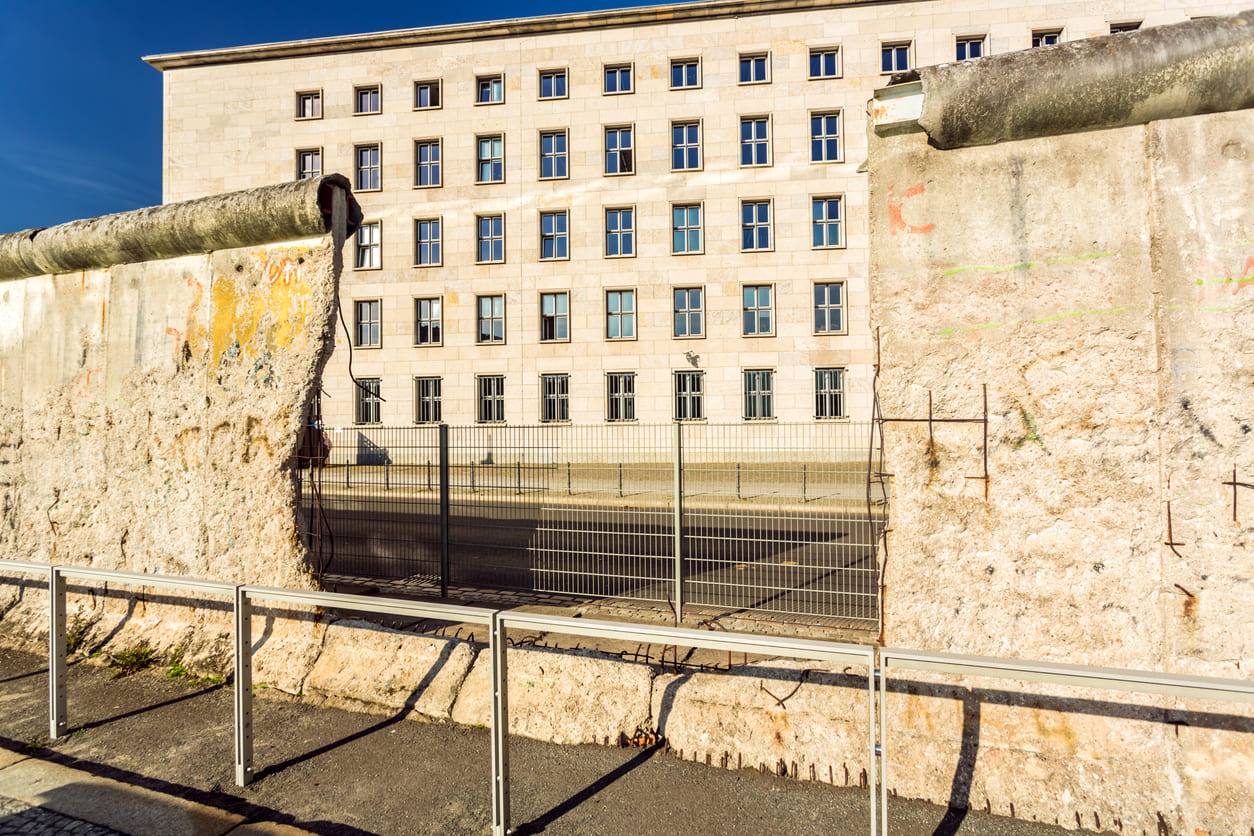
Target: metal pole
pixel 387 476
pixel 500 727
pixel 428 474
pixel 444 515
pixel 678 522
pixel 568 480
pixel 473 489
pixel 243 688
pixel 803 483
pixel 738 480
pixel 883 753
pixel 620 478
pixel 346 467
pixel 517 476
pixel 57 721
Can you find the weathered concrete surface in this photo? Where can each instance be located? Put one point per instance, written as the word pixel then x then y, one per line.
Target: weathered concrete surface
pixel 1098 284
pixel 1159 72
pixel 572 696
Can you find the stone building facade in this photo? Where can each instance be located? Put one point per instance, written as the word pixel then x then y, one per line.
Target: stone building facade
pixel 633 215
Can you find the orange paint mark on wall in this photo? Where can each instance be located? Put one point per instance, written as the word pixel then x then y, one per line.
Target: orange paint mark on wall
pixel 271 312
pixel 896 221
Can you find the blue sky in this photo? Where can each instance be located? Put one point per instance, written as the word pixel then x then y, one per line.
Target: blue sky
pixel 81 132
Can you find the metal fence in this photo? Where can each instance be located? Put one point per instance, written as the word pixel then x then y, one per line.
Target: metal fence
pixel 777 517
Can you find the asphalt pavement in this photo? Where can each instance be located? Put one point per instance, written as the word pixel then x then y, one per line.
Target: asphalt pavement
pixel 148 754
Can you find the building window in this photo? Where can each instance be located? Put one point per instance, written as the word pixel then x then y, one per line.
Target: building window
pixel 427 94
pixel 686 229
pixel 620 314
pixel 427 242
pixel 829 393
pixel 825 219
pixel 553 84
pixel 620 396
pixel 894 58
pixel 368 400
pixel 757 310
pixel 491 249
pixel 754 144
pixel 620 232
pixel 491 318
pixel 428 321
pixel 825 63
pixel 1127 26
pixel 367 317
pixel 685 146
pixel 754 69
pixel 554 397
pixel 829 308
pixel 491 398
pixel 1047 38
pixel 427 163
pixel 552 155
pixel 685 73
pixel 825 137
pixel 309 104
pixel 366 100
pixel 689 312
pixel 553 235
pixel 490 157
pixel 617 79
pixel 368 168
pixel 969 48
pixel 618 156
pixel 689 396
pixel 308 163
pixel 755 225
pixel 490 89
pixel 554 317
pixel 368 246
pixel 427 400
pixel 758 390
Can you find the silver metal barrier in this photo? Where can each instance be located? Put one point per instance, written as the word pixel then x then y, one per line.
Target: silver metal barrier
pixel 820 651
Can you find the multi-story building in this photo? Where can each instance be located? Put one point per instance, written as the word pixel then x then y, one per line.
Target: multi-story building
pixel 634 215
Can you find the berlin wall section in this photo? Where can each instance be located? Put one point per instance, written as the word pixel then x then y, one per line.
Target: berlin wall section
pixel 1099 285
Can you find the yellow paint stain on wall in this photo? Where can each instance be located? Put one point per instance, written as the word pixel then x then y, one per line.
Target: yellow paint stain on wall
pixel 263 307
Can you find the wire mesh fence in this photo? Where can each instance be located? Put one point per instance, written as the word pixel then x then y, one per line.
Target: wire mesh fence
pixel 773 517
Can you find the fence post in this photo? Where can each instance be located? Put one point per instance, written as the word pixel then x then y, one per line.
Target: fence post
pixel 620 479
pixel 803 483
pixel 346 467
pixel 428 473
pixel 517 476
pixel 243 687
pixel 57 722
pixel 568 478
pixel 500 726
pixel 387 476
pixel 444 503
pixel 473 489
pixel 738 480
pixel 678 521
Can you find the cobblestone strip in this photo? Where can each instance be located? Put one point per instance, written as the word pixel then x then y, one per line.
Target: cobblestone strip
pixel 17 818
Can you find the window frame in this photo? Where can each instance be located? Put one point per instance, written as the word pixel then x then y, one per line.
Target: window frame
pixel 300 172
pixel 428 399
pixel 625 398
pixel 554 73
pixel 686 147
pixel 562 237
pixel 894 49
pixel 827 308
pixel 367 89
pixel 430 84
pixel 753 58
pixel 837 394
pixel 375 247
pixel 315 96
pixel 1122 27
pixel 754 142
pixel 686 230
pixel 491 239
pixel 618 69
pixel 756 309
pixel 966 40
pixel 687 313
pixel 435 320
pixel 563 157
pixel 560 319
pixel 377 167
pixel 630 233
pixel 838 60
pixel 373 322
pixel 756 397
pixel 1039 35
pixel 824 116
pixel 558 398
pixel 436 241
pixel 438 165
pixel 484 400
pixel 491 319
pixel 826 222
pixel 368 403
pixel 695 63
pixel 482 79
pixel 756 225
pixel 619 151
pixel 692 397
pixel 622 316
pixel 492 161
